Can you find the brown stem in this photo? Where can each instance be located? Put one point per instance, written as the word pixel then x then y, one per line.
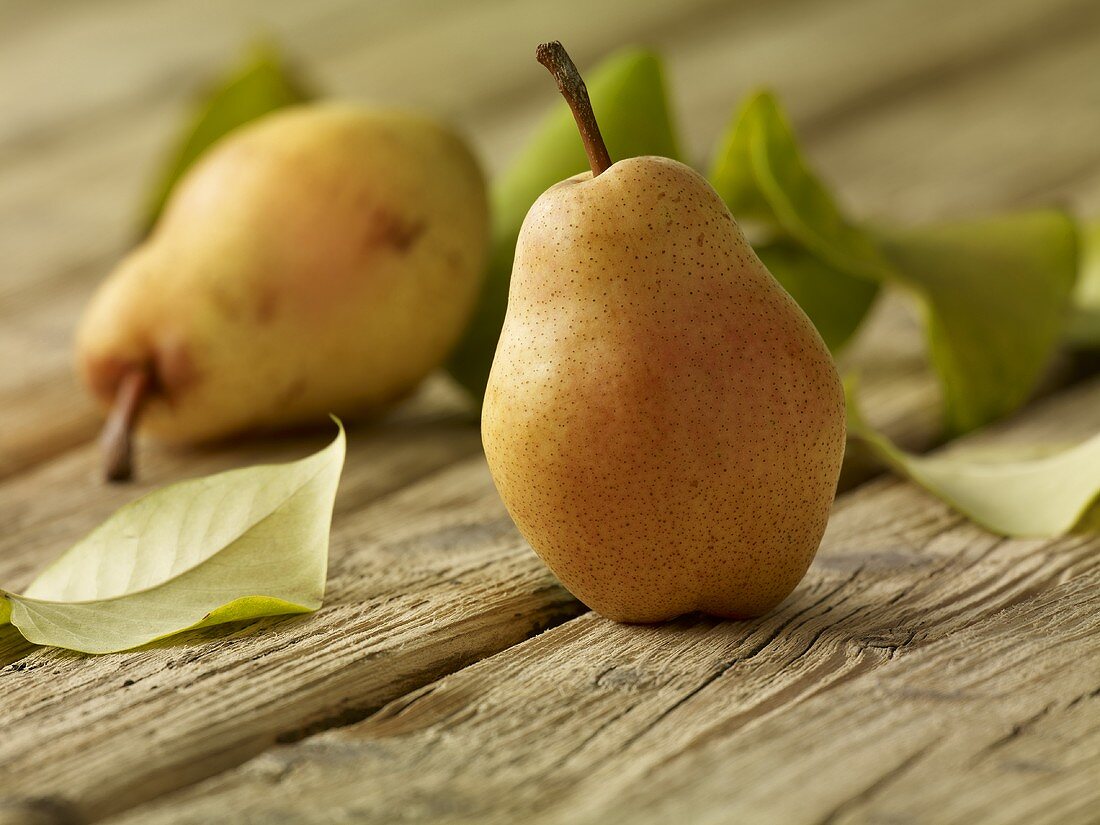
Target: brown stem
pixel 556 59
pixel 115 439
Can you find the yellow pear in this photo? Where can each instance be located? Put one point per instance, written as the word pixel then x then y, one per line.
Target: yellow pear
pixel 662 420
pixel 323 259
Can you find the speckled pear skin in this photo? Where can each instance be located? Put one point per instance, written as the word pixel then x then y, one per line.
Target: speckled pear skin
pixel 663 422
pixel 323 259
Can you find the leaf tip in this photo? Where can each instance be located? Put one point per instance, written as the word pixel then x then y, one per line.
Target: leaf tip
pixel 762 96
pixel 341 433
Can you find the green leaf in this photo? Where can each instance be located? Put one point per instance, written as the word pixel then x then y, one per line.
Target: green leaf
pixel 835 302
pixel 1038 497
pixel 628 95
pixel 828 264
pixel 1084 326
pixel 761 171
pixel 995 294
pixel 261 83
pixel 237 545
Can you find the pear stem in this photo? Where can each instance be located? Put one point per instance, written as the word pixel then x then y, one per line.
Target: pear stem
pixel 556 59
pixel 115 439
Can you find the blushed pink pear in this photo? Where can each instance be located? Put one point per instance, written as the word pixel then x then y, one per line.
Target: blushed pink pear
pixel 663 422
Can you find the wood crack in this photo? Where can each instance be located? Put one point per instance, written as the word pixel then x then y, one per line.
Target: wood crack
pixel 727 666
pixel 1018 730
pixel 38 810
pixel 876 787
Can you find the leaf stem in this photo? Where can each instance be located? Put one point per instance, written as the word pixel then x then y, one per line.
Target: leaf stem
pixel 116 437
pixel 557 61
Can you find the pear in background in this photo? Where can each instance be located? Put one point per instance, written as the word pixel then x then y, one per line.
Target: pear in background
pixel 662 420
pixel 323 259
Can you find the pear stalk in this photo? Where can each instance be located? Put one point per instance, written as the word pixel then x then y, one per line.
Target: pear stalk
pixel 571 85
pixel 116 439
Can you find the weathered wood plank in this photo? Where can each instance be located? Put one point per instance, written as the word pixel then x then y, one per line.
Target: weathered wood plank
pixel 387 632
pixel 46 510
pixel 957 735
pixel 477 617
pixel 34 812
pixel 919 648
pixel 422 580
pixel 1014 135
pixel 13 646
pixel 77 64
pixel 830 61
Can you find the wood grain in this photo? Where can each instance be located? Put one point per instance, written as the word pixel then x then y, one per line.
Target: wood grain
pixel 920 655
pixel 898 102
pixel 426 578
pixel 422 581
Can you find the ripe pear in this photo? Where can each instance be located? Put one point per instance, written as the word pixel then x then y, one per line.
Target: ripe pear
pixel 662 421
pixel 323 259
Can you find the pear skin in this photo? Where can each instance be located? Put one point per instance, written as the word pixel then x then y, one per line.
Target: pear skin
pixel 323 259
pixel 663 422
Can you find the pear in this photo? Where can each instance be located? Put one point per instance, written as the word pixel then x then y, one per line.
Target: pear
pixel 662 421
pixel 321 260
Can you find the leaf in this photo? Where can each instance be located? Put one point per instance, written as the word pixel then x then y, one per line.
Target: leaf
pixel 836 303
pixel 1038 497
pixel 995 294
pixel 828 264
pixel 261 83
pixel 237 545
pixel 628 95
pixel 1084 326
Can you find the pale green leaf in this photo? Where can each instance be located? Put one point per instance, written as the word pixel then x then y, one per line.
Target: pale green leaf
pixel 995 295
pixel 628 95
pixel 237 545
pixel 827 263
pixel 1034 497
pixel 261 83
pixel 1084 327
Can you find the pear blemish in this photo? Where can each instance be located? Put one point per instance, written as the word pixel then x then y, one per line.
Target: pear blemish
pixel 663 422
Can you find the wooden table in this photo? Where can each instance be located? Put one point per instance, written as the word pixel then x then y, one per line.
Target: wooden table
pixel 924 672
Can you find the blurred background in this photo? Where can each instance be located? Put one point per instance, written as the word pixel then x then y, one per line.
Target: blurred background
pixel 921 98
pixel 911 110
